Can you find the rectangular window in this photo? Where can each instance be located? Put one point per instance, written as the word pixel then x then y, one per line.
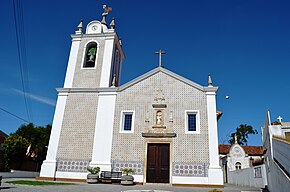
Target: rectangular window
pixel 258 172
pixel 192 122
pixel 127 121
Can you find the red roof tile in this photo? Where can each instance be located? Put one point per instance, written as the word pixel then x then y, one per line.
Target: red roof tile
pixel 250 150
pixel 224 149
pixel 254 150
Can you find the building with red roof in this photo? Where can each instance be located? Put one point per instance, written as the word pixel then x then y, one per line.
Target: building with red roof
pixel 236 157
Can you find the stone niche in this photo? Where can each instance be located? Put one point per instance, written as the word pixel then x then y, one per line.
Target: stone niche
pixel 159 128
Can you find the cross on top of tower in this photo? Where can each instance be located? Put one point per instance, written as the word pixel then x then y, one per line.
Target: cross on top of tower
pixel 160 52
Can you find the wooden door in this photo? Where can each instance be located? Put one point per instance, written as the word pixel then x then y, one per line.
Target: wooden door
pixel 157 163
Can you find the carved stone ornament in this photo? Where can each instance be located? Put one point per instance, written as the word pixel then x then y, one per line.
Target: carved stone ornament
pixel 158 128
pixel 159 98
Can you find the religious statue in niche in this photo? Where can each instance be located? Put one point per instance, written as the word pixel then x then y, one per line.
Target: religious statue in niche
pixel 159 118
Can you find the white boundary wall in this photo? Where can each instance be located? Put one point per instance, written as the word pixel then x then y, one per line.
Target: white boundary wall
pixel 278 180
pixel 247 177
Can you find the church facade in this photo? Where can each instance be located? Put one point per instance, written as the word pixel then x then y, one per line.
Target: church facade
pixel 161 125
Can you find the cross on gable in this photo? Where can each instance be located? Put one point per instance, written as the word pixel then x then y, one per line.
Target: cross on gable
pixel 160 52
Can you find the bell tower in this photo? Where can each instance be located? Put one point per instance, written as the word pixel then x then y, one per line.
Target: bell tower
pixel 95 57
pixel 80 130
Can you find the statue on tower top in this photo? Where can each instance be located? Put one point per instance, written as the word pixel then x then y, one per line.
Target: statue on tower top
pixel 106 12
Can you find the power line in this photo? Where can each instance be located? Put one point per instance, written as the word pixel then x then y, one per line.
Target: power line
pixel 20 37
pixel 14 115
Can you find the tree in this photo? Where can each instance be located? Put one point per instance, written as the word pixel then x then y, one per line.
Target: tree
pixel 14 149
pixel 27 143
pixel 242 133
pixel 38 138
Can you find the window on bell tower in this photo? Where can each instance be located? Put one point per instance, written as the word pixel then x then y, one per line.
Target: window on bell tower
pixel 115 69
pixel 90 55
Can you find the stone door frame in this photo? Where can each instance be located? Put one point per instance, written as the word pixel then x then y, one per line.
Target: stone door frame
pixel 158 141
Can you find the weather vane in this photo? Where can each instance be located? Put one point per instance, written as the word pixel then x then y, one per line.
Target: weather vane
pixel 160 52
pixel 106 12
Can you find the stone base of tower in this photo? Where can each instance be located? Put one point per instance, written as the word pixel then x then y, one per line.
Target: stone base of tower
pixel 215 176
pixel 48 169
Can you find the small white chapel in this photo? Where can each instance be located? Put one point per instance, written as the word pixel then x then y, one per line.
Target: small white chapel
pixel 161 125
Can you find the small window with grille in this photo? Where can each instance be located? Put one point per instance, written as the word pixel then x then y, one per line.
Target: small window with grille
pixel 127 122
pixel 192 121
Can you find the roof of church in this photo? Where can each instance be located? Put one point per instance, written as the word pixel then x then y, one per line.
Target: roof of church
pixel 170 73
pixel 250 150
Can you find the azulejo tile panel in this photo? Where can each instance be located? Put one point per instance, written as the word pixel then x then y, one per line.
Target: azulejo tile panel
pixel 72 165
pixel 137 166
pixel 190 169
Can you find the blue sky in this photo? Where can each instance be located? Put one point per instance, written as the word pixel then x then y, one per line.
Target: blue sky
pixel 244 44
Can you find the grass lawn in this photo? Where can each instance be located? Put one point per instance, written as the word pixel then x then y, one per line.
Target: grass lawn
pixel 30 182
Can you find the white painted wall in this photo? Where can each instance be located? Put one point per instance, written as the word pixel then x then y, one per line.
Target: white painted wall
pixel 246 177
pixel 71 175
pixel 274 130
pixel 281 152
pixel 72 62
pixel 215 174
pixel 189 180
pixel 138 178
pixel 104 131
pixel 277 179
pixel 49 165
pixel 107 62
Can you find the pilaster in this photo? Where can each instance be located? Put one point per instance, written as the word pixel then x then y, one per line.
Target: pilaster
pixel 72 62
pixel 104 131
pixel 107 61
pixel 48 167
pixel 215 175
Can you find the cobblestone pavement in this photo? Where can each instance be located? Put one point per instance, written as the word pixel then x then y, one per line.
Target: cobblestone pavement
pixel 84 187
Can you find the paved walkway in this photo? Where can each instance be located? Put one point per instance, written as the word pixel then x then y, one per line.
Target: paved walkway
pixel 84 187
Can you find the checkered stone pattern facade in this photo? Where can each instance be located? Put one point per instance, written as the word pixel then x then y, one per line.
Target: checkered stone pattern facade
pixel 69 165
pixel 190 169
pixel 137 166
pixel 179 97
pixel 78 127
pixel 89 77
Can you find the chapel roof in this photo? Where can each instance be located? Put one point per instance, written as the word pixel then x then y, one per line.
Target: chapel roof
pixel 169 73
pixel 250 150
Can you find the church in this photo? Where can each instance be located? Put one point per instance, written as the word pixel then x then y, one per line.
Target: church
pixel 161 125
